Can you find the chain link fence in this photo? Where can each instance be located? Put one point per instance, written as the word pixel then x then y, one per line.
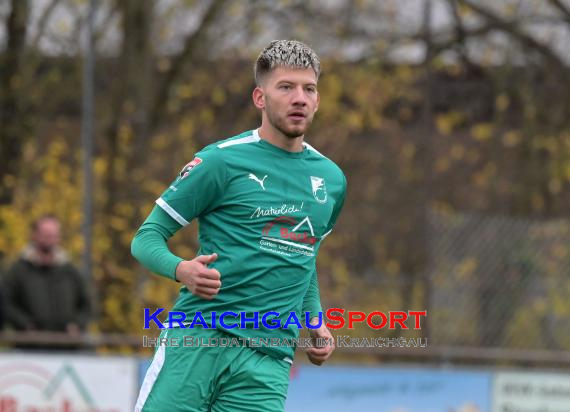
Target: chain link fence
pixel 499 281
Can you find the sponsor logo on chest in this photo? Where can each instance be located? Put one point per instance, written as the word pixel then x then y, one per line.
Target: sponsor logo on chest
pixel 284 209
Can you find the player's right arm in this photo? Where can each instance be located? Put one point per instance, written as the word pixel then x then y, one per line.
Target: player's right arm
pixel 197 190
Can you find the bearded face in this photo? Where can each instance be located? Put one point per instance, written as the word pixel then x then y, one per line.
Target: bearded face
pixel 290 100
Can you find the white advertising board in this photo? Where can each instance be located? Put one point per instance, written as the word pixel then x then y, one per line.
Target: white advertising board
pixel 531 392
pixel 66 383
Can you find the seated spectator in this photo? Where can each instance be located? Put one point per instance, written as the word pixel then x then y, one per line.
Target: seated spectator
pixel 2 306
pixel 43 290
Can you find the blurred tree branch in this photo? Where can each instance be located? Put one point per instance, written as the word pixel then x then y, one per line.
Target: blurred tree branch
pixel 157 107
pixel 79 19
pixel 107 21
pixel 42 23
pixel 516 32
pixel 565 10
pixel 130 89
pixel 461 34
pixel 12 118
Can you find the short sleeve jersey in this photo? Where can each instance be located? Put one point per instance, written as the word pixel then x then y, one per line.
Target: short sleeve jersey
pixel 264 211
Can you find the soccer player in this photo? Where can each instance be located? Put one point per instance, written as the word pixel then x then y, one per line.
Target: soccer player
pixel 265 200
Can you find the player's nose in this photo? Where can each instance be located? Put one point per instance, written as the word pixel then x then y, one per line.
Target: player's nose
pixel 299 97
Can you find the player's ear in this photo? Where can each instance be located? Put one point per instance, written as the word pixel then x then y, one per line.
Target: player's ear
pixel 258 98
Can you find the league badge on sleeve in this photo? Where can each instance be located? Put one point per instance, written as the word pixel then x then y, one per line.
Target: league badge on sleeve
pixel 191 165
pixel 319 189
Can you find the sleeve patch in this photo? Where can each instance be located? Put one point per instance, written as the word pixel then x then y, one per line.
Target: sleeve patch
pixel 191 165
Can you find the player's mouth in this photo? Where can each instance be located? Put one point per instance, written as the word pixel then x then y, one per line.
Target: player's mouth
pixel 297 115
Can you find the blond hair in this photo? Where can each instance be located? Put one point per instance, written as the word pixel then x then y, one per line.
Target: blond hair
pixel 285 53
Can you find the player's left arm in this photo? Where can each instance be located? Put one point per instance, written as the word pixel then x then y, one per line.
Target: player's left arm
pixel 318 353
pixel 312 300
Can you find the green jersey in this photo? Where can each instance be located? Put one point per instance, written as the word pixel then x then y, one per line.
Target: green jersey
pixel 264 211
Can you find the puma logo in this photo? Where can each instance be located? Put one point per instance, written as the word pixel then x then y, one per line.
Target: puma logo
pixel 261 182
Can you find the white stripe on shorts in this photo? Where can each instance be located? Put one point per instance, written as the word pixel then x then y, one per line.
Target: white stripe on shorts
pixel 150 377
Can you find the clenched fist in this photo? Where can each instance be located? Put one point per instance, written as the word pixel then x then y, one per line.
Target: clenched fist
pixel 198 278
pixel 319 354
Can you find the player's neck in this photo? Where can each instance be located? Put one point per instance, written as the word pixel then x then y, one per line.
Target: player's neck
pixel 276 138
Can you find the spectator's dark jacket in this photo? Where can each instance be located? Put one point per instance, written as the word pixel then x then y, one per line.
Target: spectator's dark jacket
pixel 2 306
pixel 45 298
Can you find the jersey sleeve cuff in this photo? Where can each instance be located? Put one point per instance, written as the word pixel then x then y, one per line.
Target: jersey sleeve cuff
pixel 173 266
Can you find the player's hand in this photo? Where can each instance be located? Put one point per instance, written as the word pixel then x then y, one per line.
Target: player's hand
pixel 318 355
pixel 198 277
